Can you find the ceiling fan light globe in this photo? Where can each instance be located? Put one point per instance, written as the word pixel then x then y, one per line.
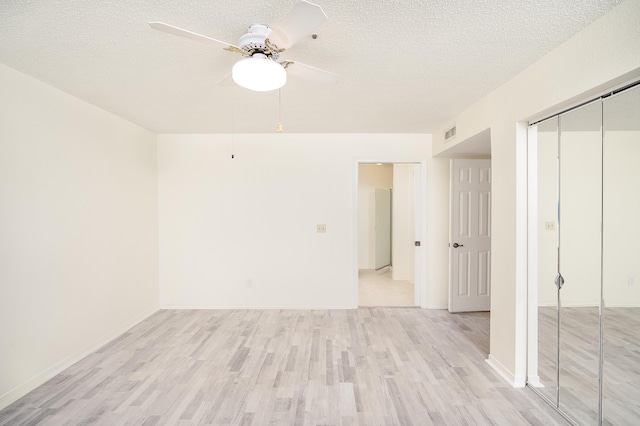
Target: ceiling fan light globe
pixel 259 73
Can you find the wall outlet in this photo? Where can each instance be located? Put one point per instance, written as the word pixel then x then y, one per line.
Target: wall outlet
pixel 550 226
pixel 321 228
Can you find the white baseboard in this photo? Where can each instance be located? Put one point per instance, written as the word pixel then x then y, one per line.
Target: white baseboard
pixel 26 387
pixel 568 305
pixel 508 376
pixel 443 307
pixel 535 382
pixel 253 307
pixel 621 305
pixel 591 305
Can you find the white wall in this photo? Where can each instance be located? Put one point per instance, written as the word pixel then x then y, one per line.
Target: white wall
pixel 78 230
pixel 242 232
pixel 370 177
pixel 403 235
pixel 605 53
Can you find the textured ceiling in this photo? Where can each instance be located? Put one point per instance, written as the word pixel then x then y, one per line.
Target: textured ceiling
pixel 405 65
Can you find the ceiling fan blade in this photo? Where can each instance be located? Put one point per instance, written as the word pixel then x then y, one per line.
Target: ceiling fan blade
pixel 170 29
pixel 300 22
pixel 307 72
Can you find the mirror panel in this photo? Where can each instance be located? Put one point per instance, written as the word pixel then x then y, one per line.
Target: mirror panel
pixel 580 261
pixel 547 256
pixel 584 339
pixel 621 258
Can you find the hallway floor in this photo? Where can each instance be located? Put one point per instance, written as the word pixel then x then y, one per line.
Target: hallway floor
pixel 377 288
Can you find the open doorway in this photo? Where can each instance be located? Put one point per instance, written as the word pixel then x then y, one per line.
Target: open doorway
pixel 387 230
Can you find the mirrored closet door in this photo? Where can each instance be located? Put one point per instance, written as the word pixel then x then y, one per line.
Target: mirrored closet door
pixel 621 259
pixel 584 259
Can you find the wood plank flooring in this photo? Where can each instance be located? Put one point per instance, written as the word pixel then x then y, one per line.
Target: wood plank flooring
pixel 367 366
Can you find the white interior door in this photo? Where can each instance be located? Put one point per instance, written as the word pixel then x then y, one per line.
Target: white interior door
pixel 383 228
pixel 470 236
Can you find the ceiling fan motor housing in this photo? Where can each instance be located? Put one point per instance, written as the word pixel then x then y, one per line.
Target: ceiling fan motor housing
pixel 254 40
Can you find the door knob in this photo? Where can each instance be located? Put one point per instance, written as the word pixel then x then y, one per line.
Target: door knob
pixel 456 245
pixel 559 280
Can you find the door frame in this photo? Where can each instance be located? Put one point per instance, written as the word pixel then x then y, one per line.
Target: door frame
pixel 532 376
pixel 420 224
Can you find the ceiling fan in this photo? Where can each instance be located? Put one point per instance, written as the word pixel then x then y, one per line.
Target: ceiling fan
pixel 261 46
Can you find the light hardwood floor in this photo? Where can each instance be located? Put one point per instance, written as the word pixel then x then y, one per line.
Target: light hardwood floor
pixel 378 288
pixel 367 366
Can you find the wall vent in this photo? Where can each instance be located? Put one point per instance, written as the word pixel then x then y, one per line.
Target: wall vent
pixel 450 133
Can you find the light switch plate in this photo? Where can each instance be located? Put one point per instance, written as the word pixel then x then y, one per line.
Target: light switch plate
pixel 321 228
pixel 550 226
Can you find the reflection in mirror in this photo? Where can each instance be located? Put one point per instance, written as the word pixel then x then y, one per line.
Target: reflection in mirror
pixel 547 212
pixel 580 261
pixel 621 258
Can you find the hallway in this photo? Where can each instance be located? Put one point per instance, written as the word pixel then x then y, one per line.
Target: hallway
pixel 377 288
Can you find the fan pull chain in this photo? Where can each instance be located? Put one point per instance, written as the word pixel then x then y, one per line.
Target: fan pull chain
pixel 279 128
pixel 233 98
